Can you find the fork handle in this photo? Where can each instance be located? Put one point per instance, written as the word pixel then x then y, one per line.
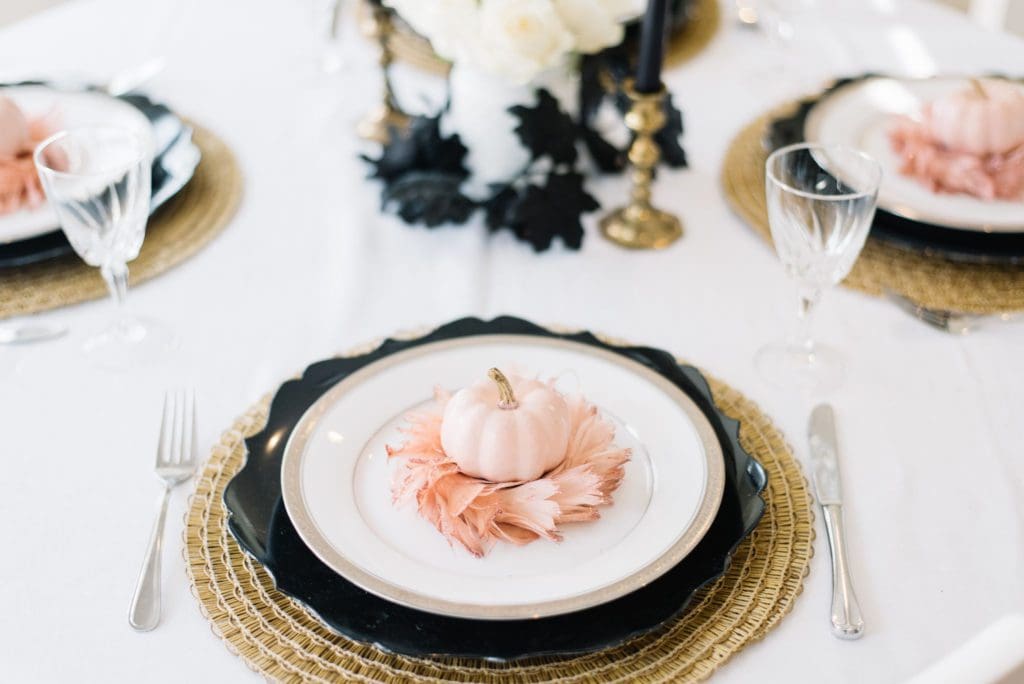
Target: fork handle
pixel 144 613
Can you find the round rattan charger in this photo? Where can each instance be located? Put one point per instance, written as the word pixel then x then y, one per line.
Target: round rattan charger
pixel 175 232
pixel 696 33
pixel 930 281
pixel 282 641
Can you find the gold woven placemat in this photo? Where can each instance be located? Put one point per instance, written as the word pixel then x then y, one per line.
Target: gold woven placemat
pixel 174 233
pixel 703 23
pixel 705 18
pixel 930 281
pixel 282 641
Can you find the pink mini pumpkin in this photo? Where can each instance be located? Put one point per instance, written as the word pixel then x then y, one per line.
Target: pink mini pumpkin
pixel 987 118
pixel 506 430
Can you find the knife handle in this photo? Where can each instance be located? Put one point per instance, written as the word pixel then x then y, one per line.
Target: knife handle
pixel 847 622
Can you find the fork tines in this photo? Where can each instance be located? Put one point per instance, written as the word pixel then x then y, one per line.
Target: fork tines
pixel 177 445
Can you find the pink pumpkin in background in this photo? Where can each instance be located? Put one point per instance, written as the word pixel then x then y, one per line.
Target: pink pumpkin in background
pixel 506 430
pixel 14 129
pixel 987 118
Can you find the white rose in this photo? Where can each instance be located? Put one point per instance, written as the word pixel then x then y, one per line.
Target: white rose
pixel 596 24
pixel 449 25
pixel 518 39
pixel 623 10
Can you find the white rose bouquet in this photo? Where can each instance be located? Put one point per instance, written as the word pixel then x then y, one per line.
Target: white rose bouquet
pixel 517 39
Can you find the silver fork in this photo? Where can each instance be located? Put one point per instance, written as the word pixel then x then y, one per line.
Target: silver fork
pixel 955 322
pixel 175 463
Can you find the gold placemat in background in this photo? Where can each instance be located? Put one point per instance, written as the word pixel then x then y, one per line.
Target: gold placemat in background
pixel 704 20
pixel 282 641
pixel 703 23
pixel 175 232
pixel 930 281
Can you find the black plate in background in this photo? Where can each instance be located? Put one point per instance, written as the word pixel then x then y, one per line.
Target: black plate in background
pixel 168 129
pixel 938 241
pixel 259 522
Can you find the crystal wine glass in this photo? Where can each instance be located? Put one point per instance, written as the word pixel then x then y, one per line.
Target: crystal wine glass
pixel 97 179
pixel 821 201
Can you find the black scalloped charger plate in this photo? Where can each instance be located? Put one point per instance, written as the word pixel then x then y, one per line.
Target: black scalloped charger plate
pixel 170 131
pixel 259 522
pixel 924 238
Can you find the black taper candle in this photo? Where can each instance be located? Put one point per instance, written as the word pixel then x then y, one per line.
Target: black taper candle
pixel 652 47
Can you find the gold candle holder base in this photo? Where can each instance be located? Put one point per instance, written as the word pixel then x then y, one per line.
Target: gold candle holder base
pixel 638 225
pixel 641 227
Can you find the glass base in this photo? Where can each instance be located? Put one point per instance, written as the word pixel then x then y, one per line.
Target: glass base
pixel 131 342
pixel 792 366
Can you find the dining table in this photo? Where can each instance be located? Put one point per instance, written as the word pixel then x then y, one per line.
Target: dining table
pixel 931 425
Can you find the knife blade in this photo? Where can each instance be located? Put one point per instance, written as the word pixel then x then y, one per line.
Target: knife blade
pixel 847 621
pixel 821 433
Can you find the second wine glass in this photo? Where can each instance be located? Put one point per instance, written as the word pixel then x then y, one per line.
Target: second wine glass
pixel 97 179
pixel 821 202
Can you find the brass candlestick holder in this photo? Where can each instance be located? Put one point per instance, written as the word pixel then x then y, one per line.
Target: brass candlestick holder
pixel 387 116
pixel 638 225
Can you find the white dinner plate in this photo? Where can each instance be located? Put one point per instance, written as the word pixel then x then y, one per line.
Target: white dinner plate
pixel 335 484
pixel 861 114
pixel 72 109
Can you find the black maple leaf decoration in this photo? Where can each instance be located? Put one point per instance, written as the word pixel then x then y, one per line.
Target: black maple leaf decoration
pixel 423 173
pixel 607 157
pixel 546 130
pixel 420 147
pixel 539 213
pixel 428 197
pixel 672 152
pixel 497 207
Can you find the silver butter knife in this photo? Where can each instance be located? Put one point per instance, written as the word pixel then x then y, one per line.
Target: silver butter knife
pixel 847 622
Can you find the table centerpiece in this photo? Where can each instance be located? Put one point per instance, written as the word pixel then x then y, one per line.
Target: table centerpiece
pixel 531 82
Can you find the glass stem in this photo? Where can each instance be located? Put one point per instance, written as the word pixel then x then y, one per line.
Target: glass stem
pixel 803 337
pixel 116 277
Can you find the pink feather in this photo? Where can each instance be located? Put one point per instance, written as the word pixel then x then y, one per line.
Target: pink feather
pixel 476 513
pixel 943 170
pixel 20 186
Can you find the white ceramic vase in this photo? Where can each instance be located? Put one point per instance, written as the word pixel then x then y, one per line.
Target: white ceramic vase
pixel 478 112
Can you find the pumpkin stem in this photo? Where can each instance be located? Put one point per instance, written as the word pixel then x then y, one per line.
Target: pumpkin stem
pixel 506 400
pixel 979 88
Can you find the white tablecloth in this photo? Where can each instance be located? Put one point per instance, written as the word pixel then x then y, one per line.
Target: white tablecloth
pixel 931 425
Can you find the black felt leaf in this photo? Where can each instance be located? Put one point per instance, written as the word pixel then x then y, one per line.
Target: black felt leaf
pixel 670 136
pixel 540 213
pixel 594 82
pixel 497 207
pixel 607 157
pixel 546 130
pixel 428 197
pixel 420 147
